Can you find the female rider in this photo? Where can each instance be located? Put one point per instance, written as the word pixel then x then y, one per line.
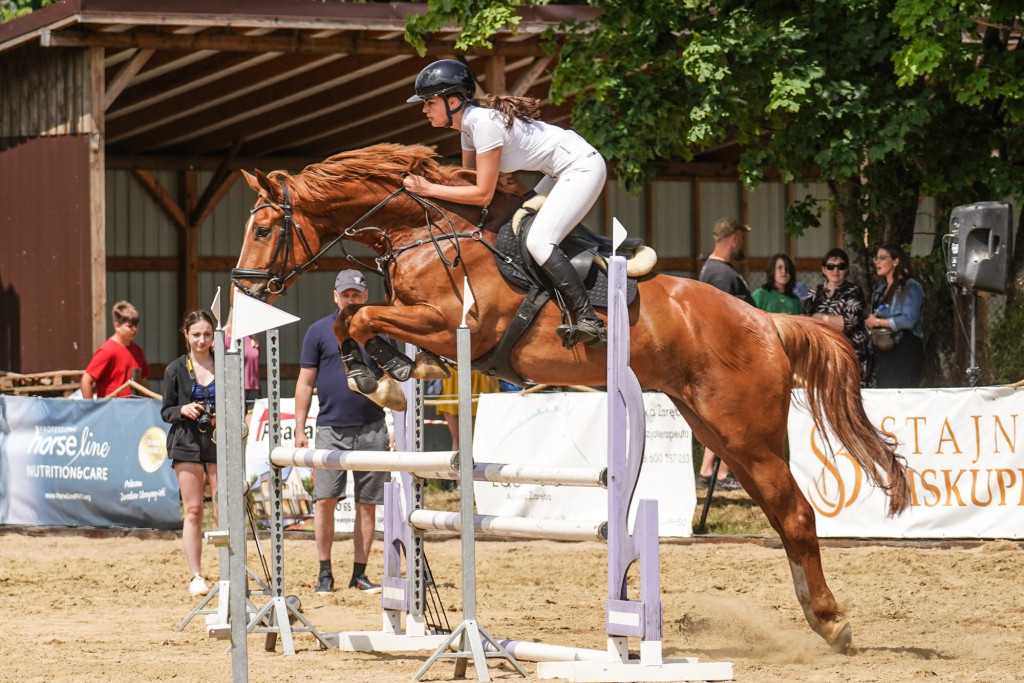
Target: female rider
pixel 502 134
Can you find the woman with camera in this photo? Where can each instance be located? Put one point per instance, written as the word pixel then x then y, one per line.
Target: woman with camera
pixel 189 395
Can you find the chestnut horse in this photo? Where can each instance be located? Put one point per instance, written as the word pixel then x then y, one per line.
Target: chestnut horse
pixel 728 367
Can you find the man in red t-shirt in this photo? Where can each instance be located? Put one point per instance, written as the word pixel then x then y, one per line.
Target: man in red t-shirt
pixel 113 363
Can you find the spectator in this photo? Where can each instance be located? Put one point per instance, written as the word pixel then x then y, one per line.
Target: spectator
pixel 778 295
pixel 348 421
pixel 188 405
pixel 118 359
pixel 718 271
pixel 896 307
pixel 840 304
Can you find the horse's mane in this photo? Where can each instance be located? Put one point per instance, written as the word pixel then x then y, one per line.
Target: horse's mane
pixel 321 181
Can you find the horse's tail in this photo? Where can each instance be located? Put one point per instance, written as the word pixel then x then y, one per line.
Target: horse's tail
pixel 826 365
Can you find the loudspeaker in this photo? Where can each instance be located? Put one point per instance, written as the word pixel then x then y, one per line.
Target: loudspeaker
pixel 980 246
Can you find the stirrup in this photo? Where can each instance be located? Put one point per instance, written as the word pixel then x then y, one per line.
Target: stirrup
pixel 592 333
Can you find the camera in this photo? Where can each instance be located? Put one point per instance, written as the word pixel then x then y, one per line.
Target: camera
pixel 205 420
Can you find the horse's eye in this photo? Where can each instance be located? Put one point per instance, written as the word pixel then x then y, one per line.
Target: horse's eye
pixel 263 232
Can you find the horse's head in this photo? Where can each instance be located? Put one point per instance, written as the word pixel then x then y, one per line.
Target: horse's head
pixel 276 248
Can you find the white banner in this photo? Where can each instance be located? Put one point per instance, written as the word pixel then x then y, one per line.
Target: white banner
pixel 257 460
pixel 963 450
pixel 570 430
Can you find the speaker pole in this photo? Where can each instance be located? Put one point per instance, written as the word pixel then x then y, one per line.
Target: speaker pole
pixel 972 371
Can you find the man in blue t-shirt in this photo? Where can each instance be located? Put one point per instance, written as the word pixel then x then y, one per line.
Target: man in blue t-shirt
pixel 347 420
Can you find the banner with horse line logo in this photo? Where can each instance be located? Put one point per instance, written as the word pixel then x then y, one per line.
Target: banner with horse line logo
pixel 78 462
pixel 963 453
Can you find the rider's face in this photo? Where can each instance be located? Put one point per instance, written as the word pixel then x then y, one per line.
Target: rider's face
pixel 433 107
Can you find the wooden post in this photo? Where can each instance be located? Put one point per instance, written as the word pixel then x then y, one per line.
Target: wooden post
pixel 93 124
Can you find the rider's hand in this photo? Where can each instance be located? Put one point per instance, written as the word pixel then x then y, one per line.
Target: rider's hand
pixel 416 184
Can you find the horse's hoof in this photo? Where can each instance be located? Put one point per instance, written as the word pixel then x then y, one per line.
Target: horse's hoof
pixel 843 642
pixel 389 395
pixel 429 366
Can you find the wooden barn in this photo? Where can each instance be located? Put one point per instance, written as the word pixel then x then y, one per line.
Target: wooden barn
pixel 123 124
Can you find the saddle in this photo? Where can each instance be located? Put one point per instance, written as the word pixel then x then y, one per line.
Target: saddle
pixel 586 250
pixel 589 254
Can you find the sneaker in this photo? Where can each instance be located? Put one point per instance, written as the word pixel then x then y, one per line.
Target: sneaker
pixel 702 481
pixel 730 483
pixel 198 586
pixel 364 584
pixel 325 584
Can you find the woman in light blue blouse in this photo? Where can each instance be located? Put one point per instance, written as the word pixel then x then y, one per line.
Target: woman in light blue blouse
pixel 897 304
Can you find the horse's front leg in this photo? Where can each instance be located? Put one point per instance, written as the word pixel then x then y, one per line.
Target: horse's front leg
pixel 427 365
pixel 360 377
pixel 421 325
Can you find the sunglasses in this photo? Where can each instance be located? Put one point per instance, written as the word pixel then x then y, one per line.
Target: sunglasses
pixel 835 266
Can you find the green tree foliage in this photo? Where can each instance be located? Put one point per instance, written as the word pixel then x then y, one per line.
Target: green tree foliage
pixel 11 9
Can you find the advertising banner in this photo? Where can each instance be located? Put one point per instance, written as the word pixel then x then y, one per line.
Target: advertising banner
pixel 72 462
pixel 965 454
pixel 570 430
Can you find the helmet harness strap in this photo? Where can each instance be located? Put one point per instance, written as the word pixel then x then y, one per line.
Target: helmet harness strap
pixel 451 112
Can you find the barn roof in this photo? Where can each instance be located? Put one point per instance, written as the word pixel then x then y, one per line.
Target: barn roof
pixel 189 83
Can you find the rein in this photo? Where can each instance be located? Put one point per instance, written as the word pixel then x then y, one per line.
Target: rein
pixel 278 282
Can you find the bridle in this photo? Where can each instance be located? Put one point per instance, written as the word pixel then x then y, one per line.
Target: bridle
pixel 278 281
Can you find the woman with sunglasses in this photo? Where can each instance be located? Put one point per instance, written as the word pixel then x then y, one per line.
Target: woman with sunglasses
pixel 897 305
pixel 840 305
pixel 777 295
pixel 189 395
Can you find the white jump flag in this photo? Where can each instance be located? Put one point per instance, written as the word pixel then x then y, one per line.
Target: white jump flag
pixel 618 235
pixel 467 300
pixel 251 316
pixel 215 306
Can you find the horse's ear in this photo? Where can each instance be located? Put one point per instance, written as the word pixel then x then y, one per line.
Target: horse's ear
pixel 262 184
pixel 252 181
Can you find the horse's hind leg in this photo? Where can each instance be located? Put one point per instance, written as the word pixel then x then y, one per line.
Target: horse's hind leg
pixel 756 458
pixel 770 483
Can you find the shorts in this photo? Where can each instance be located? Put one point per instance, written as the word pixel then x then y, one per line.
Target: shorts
pixel 369 486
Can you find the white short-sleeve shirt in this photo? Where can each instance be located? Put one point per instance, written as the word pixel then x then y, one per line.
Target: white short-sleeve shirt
pixel 527 146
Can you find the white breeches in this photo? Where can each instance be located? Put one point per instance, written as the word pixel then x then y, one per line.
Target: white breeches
pixel 569 200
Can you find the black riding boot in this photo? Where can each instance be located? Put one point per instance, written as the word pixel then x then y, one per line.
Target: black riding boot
pixel 588 328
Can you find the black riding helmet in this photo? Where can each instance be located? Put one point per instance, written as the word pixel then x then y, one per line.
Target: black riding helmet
pixel 442 78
